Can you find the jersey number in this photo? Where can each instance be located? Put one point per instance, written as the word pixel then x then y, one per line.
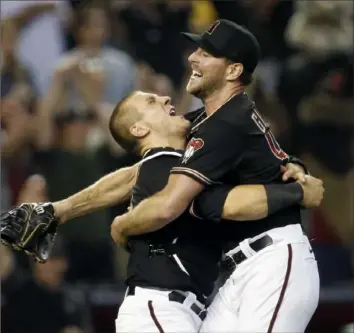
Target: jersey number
pixel 272 142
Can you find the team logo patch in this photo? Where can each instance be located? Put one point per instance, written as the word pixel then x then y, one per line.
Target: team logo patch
pixel 193 146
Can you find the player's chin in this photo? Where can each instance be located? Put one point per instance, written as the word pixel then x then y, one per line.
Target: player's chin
pixel 180 122
pixel 193 88
pixel 179 125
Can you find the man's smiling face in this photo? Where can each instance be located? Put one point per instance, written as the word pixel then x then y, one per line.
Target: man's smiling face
pixel 208 73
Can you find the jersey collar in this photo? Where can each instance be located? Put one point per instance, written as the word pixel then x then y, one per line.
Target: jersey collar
pixel 152 151
pixel 202 119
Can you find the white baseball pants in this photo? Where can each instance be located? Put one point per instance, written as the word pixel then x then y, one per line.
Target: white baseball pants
pixel 274 290
pixel 150 310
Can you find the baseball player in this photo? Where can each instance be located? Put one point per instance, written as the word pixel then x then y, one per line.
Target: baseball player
pixel 170 271
pixel 274 282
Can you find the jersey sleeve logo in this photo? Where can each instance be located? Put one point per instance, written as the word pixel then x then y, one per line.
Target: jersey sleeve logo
pixel 193 146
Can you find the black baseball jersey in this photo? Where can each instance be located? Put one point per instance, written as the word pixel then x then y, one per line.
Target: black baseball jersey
pixel 235 146
pixel 183 255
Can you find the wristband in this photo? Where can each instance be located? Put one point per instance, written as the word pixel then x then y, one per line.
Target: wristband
pixel 281 196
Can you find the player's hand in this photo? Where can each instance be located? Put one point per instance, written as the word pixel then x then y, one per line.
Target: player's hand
pixel 313 192
pixel 293 171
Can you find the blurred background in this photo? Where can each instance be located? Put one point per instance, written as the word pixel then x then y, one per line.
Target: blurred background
pixel 65 64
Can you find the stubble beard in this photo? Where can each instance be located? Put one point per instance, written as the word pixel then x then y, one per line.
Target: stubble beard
pixel 203 89
pixel 196 90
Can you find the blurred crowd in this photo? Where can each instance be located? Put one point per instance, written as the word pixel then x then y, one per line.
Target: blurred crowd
pixel 65 64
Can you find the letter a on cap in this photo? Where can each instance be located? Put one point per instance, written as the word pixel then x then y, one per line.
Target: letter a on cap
pixel 213 27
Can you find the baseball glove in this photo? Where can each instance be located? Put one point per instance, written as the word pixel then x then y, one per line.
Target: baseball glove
pixel 30 228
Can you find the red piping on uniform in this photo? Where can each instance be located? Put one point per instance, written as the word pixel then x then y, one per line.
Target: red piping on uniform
pixel 153 316
pixel 283 289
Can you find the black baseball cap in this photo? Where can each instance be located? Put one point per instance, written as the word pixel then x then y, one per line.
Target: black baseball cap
pixel 229 40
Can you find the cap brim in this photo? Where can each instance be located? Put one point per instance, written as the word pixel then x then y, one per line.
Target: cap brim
pixel 196 39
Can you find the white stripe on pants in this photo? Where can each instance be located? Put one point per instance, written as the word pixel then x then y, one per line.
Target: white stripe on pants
pixel 150 310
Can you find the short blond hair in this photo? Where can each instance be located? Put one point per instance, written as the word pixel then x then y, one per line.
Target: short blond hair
pixel 122 118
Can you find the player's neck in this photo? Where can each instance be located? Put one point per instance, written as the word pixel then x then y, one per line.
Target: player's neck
pixel 173 141
pixel 219 97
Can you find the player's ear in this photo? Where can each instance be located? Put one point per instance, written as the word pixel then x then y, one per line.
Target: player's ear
pixel 139 130
pixel 234 71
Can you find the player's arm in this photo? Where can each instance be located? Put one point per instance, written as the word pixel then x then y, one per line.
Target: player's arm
pixel 157 211
pixel 254 202
pixel 206 159
pixel 110 190
pixel 245 202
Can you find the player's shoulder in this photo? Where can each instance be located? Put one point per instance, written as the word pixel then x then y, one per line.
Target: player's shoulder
pixel 236 111
pixel 159 153
pixel 195 115
pixel 155 158
pixel 157 163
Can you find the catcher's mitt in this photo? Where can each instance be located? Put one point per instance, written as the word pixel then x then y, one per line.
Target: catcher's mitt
pixel 31 228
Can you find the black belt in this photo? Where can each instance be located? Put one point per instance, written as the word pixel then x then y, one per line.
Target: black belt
pixel 175 296
pixel 231 261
